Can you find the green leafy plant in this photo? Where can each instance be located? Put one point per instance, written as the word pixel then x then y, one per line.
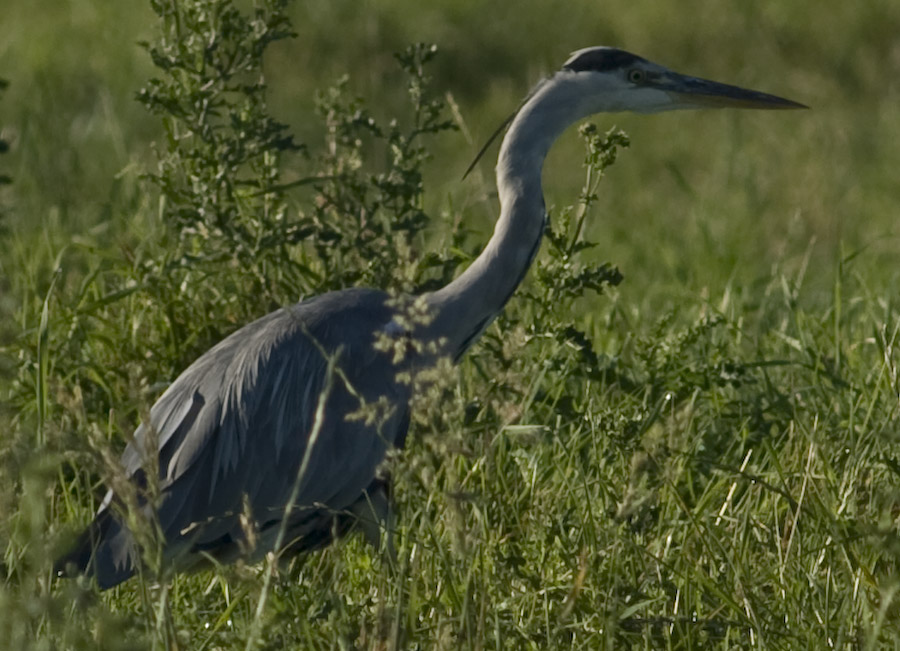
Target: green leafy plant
pixel 219 169
pixel 370 224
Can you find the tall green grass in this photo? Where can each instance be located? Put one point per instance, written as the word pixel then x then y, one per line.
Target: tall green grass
pixel 702 454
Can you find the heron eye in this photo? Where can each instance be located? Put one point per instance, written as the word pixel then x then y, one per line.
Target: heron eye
pixel 636 76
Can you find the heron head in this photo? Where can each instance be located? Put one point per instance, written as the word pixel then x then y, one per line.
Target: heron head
pixel 609 80
pixel 616 80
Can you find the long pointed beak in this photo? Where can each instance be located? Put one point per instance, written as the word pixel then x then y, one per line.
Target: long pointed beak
pixel 693 91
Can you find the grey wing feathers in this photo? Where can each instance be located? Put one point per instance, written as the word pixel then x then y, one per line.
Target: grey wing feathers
pixel 235 425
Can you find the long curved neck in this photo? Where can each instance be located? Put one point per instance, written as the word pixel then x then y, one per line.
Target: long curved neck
pixel 465 307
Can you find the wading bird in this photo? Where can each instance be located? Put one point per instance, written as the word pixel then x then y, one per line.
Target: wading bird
pixel 260 446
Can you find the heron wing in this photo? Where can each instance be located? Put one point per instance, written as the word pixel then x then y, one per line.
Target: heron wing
pixel 231 432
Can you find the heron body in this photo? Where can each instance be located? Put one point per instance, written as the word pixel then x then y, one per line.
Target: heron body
pixel 235 425
pixel 264 432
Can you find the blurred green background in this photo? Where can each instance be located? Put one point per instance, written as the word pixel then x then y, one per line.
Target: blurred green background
pixel 702 199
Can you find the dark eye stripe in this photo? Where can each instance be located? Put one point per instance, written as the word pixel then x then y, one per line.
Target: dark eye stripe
pixel 601 59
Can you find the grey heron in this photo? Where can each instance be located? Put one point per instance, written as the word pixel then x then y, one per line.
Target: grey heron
pixel 259 445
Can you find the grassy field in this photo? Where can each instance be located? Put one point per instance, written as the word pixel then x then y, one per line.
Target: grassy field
pixel 704 456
